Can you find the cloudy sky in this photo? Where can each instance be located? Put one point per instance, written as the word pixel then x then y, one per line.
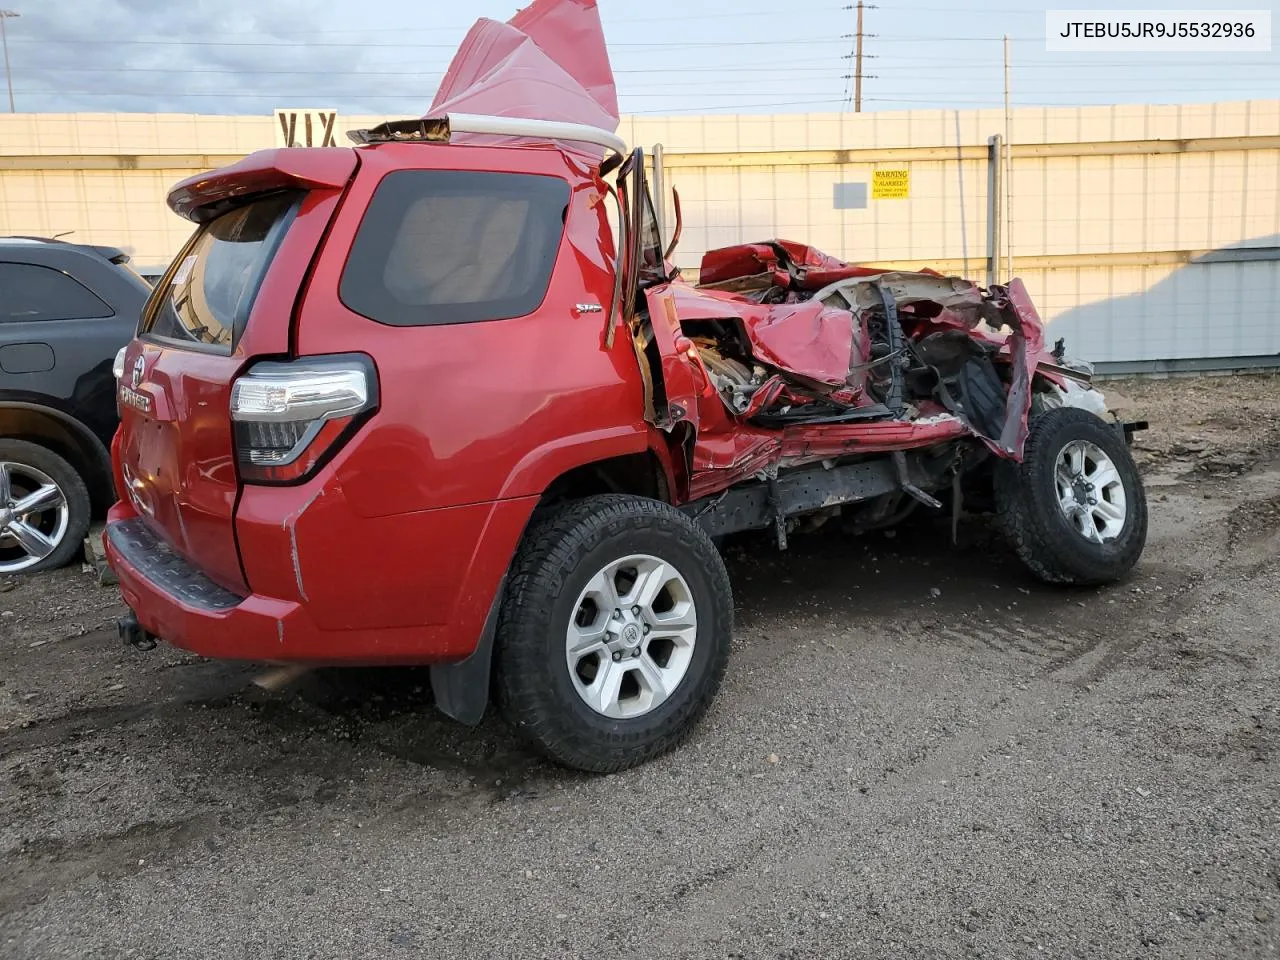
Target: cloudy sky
pixel 670 56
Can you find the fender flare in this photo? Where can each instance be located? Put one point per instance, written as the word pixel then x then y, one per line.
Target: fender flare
pixel 541 466
pixel 85 435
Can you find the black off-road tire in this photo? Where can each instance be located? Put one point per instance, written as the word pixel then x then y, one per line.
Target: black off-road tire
pixel 560 552
pixel 1029 513
pixel 73 489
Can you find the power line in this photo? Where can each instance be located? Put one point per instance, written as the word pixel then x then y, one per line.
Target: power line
pixel 294 94
pixel 607 22
pixel 431 70
pixel 739 106
pixel 670 44
pixel 895 8
pixel 436 72
pixel 667 44
pixel 624 91
pixel 820 99
pixel 1076 62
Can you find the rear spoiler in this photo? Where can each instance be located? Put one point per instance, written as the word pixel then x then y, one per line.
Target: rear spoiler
pixel 114 254
pixel 206 195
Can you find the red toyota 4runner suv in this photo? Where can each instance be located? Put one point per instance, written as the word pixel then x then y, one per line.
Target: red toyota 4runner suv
pixel 410 403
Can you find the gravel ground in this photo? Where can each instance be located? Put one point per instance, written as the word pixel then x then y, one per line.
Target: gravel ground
pixel 999 770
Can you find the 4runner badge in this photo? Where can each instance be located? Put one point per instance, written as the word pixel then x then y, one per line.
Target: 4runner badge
pixel 129 393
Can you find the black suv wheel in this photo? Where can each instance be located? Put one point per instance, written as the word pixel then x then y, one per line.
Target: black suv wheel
pixel 1075 509
pixel 614 633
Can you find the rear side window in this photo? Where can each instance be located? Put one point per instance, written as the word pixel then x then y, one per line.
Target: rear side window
pixel 32 292
pixel 207 300
pixel 451 246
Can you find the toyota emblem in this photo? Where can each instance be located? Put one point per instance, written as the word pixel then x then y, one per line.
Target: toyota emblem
pixel 139 367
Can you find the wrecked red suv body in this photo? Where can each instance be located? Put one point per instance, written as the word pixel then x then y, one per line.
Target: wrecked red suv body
pixel 413 402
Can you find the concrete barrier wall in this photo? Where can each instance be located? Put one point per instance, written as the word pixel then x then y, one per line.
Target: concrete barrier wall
pixel 1146 233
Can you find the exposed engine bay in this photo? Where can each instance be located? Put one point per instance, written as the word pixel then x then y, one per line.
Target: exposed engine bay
pixel 807 357
pixel 831 343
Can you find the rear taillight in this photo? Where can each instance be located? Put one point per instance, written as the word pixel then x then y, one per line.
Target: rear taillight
pixel 291 417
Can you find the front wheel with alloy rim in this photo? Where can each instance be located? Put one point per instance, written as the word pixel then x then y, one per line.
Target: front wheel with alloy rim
pixel 1075 509
pixel 44 508
pixel 614 633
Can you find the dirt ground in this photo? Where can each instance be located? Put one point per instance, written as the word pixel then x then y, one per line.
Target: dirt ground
pixel 998 769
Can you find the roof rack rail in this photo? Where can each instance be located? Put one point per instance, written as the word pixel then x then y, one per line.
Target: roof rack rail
pixel 114 254
pixel 441 129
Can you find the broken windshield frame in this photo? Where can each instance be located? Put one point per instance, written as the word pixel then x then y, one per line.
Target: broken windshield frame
pixel 640 253
pixel 649 264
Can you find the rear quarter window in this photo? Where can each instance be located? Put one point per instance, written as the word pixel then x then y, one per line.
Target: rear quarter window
pixel 29 291
pixel 449 246
pixel 206 297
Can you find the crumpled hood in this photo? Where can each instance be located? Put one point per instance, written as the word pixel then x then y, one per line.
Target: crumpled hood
pixel 548 62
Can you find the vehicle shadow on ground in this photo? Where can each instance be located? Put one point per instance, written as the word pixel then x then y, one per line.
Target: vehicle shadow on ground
pixel 885 574
pixel 392 710
pixel 911 570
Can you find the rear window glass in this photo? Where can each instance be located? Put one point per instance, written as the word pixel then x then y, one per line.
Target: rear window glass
pixel 32 292
pixel 448 246
pixel 208 299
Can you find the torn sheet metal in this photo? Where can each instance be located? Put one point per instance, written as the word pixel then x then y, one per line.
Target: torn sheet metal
pixel 548 62
pixel 788 355
pixel 808 339
pixel 804 338
pixel 782 263
pixel 1026 347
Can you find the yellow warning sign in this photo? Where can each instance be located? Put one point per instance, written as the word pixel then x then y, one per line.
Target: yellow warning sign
pixel 891 184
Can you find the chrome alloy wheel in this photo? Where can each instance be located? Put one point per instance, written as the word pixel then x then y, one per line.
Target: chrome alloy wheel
pixel 1090 492
pixel 631 636
pixel 33 516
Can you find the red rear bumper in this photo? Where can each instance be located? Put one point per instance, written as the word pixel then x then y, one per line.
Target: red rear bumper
pixel 255 628
pixel 252 628
pixel 175 601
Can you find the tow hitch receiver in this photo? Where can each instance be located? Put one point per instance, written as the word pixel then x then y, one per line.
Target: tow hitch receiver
pixel 1129 427
pixel 132 633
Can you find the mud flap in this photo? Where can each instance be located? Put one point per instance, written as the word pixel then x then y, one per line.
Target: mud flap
pixel 462 689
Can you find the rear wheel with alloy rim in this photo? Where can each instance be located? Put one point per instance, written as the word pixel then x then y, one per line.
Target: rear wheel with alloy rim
pixel 632 636
pixel 44 508
pixel 614 632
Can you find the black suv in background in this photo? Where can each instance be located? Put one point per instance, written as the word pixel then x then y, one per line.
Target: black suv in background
pixel 66 309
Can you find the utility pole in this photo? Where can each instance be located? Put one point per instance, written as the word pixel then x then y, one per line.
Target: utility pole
pixel 858 67
pixel 4 42
pixel 1008 169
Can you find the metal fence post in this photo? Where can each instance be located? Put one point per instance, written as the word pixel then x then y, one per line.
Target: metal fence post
pixel 994 190
pixel 659 192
